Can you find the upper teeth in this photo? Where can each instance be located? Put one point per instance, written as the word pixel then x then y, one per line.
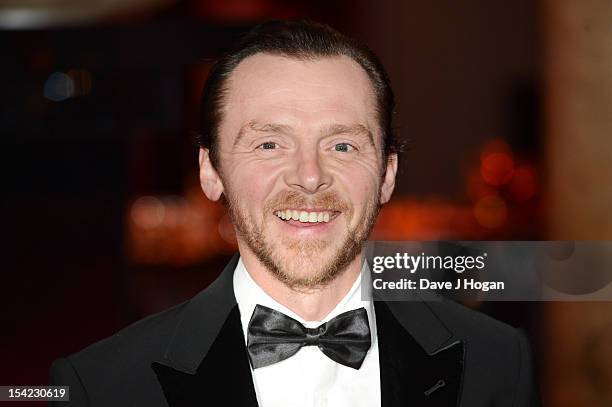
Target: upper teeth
pixel 303 216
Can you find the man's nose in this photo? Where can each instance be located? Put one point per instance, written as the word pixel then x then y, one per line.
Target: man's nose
pixel 308 172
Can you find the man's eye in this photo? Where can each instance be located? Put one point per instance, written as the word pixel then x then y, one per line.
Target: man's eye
pixel 344 147
pixel 268 145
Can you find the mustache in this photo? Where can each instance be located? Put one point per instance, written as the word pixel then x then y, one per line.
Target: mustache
pixel 329 201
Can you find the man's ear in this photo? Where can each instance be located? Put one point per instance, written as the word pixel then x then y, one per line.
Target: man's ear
pixel 209 178
pixel 388 184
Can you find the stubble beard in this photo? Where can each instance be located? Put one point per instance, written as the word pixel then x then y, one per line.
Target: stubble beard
pixel 304 264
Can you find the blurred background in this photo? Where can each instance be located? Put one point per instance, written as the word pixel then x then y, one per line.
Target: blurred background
pixel 507 107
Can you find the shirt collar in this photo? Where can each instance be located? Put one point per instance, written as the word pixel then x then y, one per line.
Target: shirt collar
pixel 249 294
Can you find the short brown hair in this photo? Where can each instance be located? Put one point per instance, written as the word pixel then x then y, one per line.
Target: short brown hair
pixel 303 40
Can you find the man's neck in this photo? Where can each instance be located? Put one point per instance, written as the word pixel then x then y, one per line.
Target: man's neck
pixel 311 305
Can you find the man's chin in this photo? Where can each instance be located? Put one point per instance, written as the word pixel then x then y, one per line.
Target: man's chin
pixel 306 269
pixel 304 248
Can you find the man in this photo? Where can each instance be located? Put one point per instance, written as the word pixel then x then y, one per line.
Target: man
pixel 297 140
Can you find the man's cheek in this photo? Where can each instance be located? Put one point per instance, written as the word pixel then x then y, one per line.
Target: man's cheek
pixel 360 188
pixel 254 194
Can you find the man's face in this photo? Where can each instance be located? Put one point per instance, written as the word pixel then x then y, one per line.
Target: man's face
pixel 301 164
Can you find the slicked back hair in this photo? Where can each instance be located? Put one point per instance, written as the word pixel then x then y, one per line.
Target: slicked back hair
pixel 302 40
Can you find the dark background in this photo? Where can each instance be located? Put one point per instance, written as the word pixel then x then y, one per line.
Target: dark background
pixel 103 221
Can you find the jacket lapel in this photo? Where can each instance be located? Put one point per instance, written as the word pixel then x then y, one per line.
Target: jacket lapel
pixel 223 377
pixel 206 362
pixel 420 363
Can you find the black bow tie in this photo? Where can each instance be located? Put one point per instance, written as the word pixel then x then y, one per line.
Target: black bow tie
pixel 273 336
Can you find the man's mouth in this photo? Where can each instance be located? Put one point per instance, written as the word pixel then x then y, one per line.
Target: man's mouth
pixel 307 216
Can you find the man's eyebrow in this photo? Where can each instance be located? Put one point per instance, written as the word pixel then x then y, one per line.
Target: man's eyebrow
pixel 262 128
pixel 358 129
pixel 333 130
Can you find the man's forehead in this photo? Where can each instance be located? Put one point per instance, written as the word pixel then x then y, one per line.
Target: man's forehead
pixel 334 89
pixel 266 72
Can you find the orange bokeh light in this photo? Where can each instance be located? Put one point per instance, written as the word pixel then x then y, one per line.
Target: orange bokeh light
pixel 523 185
pixel 476 187
pixel 491 211
pixel 497 168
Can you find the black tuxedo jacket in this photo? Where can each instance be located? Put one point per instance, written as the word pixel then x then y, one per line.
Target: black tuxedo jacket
pixel 431 354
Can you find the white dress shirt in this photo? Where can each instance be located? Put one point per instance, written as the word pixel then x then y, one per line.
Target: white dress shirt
pixel 309 378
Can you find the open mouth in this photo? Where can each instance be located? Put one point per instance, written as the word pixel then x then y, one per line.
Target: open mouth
pixel 306 216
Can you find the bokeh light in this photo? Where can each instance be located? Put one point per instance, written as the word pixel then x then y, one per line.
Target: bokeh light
pixel 59 87
pixel 491 211
pixel 497 168
pixel 477 187
pixel 524 184
pixel 148 212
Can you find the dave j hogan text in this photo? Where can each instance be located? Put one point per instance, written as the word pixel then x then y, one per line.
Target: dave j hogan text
pixel 426 284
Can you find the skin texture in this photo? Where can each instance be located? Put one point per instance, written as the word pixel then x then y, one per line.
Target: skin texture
pixel 300 135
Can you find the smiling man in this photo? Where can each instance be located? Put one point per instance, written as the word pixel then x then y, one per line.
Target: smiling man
pixel 300 163
pixel 297 141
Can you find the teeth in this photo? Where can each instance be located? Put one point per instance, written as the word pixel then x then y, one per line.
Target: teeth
pixel 304 216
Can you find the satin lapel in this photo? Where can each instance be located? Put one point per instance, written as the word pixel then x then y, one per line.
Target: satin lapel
pixel 410 376
pixel 205 363
pixel 222 379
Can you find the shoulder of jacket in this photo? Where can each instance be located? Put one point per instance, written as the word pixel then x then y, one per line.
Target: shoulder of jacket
pixel 147 336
